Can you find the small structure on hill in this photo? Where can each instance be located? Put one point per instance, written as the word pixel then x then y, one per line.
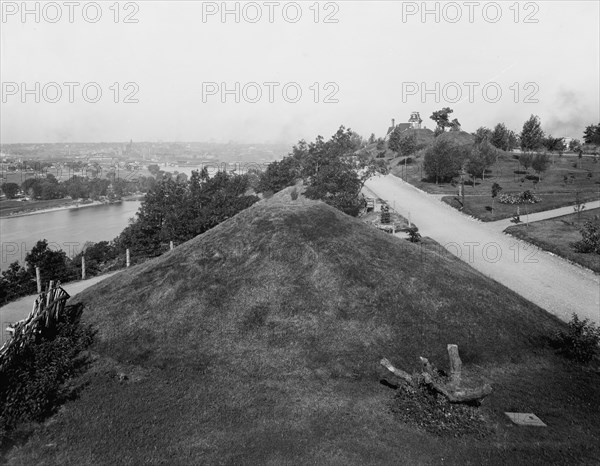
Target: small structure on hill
pixel 414 122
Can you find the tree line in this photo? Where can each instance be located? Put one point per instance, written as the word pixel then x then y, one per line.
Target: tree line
pixel 77 187
pixel 177 209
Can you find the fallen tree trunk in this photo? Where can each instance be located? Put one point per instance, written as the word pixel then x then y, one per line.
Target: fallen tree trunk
pixel 450 386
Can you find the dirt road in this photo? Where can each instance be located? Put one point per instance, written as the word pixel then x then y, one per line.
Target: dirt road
pixel 19 309
pixel 547 280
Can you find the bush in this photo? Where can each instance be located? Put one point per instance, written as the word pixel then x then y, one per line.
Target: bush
pixel 33 378
pixel 413 235
pixel 580 342
pixel 591 238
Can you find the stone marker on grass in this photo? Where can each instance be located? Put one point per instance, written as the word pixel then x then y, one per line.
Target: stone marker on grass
pixel 526 419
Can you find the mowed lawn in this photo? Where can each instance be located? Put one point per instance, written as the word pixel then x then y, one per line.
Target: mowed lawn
pixel 557 234
pixel 554 189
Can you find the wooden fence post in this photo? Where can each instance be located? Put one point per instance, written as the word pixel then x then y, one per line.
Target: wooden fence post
pixel 48 293
pixel 127 261
pixel 83 267
pixel 38 279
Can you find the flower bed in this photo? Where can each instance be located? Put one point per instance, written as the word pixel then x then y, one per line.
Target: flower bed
pixel 525 197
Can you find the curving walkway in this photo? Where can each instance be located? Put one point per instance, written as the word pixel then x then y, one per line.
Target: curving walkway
pixel 544 279
pixel 20 309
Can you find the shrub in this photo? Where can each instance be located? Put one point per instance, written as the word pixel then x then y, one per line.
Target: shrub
pixel 591 238
pixel 581 341
pixel 413 234
pixel 33 377
pixel 385 214
pixel 294 194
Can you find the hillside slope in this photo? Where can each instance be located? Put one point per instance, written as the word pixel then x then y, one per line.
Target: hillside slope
pixel 324 282
pixel 258 343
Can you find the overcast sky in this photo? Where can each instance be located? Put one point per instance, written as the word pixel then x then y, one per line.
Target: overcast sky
pixel 371 62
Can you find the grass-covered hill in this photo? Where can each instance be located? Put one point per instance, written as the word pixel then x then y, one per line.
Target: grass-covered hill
pixel 460 138
pixel 424 136
pixel 258 342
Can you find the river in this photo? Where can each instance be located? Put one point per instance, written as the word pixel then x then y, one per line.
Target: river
pixel 68 229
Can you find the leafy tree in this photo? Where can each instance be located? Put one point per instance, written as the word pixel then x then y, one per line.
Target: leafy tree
pixel 501 137
pixel 15 282
pixel 178 211
pixel 413 234
pixel 540 163
pixel 482 134
pixel 441 118
pixel 97 256
pixel 54 265
pixel 385 216
pixel 591 135
pixel 581 341
pixel 475 165
pixel 526 159
pixel 574 145
pixel 590 242
pixel 402 142
pixel 279 175
pixel 496 188
pixel 372 138
pixel 532 135
pixel 513 140
pixel 443 160
pixel 553 144
pixel 455 125
pixel 27 186
pixel 338 185
pixel 479 159
pixel 10 190
pixel 154 169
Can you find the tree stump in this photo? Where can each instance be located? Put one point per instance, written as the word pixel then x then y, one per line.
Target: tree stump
pixel 451 387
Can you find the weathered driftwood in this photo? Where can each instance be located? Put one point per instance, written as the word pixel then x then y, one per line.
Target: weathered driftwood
pixel 449 386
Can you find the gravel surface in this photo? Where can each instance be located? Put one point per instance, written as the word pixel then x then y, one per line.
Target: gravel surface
pixel 502 225
pixel 543 278
pixel 20 309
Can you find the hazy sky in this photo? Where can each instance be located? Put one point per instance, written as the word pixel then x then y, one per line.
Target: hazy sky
pixel 370 66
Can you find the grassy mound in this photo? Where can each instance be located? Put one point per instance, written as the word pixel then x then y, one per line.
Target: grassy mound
pixel 304 278
pixel 424 136
pixel 461 138
pixel 258 343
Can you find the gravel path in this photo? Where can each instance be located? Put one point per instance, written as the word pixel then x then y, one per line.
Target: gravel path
pixel 20 309
pixel 543 278
pixel 502 225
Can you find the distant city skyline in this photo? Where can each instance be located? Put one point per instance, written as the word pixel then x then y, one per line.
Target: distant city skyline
pixel 175 75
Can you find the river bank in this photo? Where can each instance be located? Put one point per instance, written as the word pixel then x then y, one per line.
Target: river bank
pixel 42 207
pixel 64 228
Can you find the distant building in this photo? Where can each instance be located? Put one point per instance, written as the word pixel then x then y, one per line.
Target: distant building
pixel 414 122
